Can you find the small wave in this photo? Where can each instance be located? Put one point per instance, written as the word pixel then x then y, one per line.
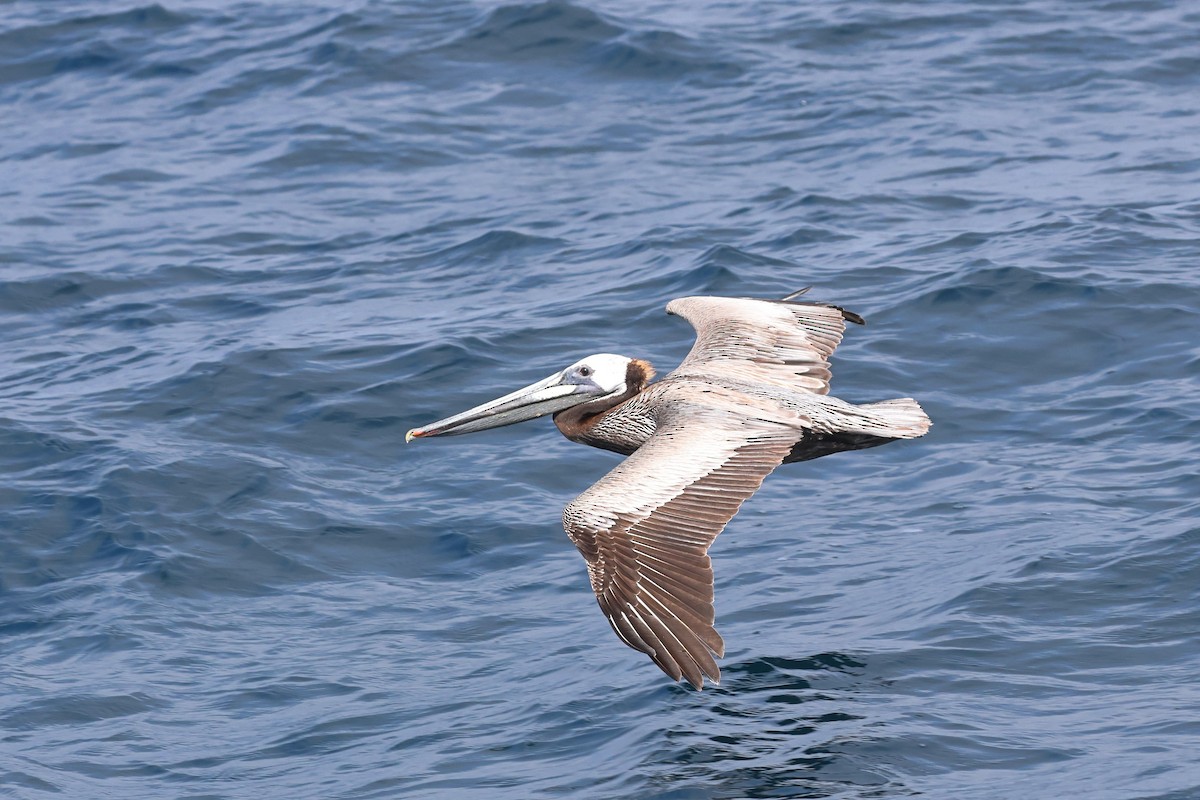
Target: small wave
pixel 97 42
pixel 571 35
pixel 549 30
pixel 497 243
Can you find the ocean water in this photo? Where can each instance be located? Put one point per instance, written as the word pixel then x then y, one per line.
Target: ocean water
pixel 245 246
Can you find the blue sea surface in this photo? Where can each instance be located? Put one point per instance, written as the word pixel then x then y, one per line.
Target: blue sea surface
pixel 245 246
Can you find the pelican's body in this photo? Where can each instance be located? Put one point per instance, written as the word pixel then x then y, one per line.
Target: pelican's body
pixel 751 395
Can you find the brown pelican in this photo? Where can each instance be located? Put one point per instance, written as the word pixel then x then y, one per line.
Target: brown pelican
pixel 752 394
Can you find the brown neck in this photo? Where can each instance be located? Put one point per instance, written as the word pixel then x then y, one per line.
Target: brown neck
pixel 576 421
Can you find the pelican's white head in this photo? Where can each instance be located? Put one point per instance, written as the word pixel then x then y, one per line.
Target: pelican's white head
pixel 604 371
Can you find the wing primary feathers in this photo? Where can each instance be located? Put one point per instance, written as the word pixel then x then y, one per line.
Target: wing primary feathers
pixel 645 529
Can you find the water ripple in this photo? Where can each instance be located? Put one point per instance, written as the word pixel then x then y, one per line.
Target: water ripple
pixel 246 250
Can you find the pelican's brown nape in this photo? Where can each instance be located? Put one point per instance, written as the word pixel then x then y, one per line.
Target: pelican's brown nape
pixel 752 394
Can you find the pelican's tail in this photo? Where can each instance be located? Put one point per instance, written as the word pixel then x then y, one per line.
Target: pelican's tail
pixel 895 419
pixel 870 425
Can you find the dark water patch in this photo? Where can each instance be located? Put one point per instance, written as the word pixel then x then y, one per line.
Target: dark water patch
pixel 731 258
pixel 127 317
pixel 664 55
pixel 552 30
pixel 863 28
pixel 165 70
pixel 324 739
pixel 26 780
pixel 573 37
pixel 1178 70
pixel 48 293
pixel 224 306
pixel 38 221
pixel 785 677
pixel 79 710
pixel 135 176
pixel 510 247
pixel 66 516
pixel 786 739
pixel 312 155
pixel 84 43
pixel 1174 166
pixel 804 237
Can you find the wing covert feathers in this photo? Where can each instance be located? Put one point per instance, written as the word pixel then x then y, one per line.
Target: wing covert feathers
pixel 763 340
pixel 645 529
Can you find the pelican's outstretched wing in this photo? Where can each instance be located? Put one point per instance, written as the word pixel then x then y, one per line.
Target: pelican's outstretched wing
pixel 762 340
pixel 645 529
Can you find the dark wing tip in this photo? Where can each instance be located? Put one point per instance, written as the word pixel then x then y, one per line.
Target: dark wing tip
pixel 850 316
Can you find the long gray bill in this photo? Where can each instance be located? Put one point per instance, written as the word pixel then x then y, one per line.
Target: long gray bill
pixel 536 400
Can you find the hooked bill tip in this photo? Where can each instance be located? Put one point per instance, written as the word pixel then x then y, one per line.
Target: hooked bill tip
pixel 413 434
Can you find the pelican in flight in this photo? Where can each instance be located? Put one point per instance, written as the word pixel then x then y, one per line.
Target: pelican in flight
pixel 752 394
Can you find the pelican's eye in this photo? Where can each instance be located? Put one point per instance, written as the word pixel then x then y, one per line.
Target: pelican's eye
pixel 585 371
